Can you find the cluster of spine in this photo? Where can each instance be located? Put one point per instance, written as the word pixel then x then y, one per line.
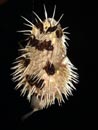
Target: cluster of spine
pixel 43 70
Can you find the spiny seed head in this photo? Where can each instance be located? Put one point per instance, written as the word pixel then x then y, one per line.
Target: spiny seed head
pixel 43 69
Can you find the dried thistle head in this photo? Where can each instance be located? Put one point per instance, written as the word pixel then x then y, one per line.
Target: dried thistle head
pixel 43 70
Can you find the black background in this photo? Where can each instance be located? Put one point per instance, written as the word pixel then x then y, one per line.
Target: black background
pixel 80 111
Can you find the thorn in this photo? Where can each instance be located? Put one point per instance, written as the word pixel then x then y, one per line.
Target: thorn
pixel 27 25
pixel 54 12
pixel 38 17
pixel 46 16
pixel 24 31
pixel 27 20
pixel 59 19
